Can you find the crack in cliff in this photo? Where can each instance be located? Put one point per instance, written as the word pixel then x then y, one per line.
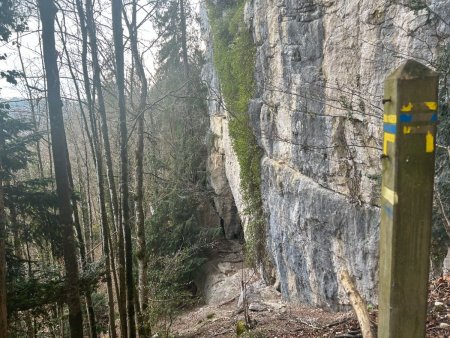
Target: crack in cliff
pixel 296 172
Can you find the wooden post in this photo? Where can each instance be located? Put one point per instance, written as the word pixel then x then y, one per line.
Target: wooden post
pixel 410 114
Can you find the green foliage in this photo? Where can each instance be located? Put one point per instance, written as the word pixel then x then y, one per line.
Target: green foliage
pixel 11 18
pixel 169 290
pixel 241 327
pixel 10 76
pixel 234 55
pixel 168 23
pixel 43 285
pixel 176 237
pixel 33 204
pixel 34 285
pixel 177 246
pixel 101 310
pixel 234 58
pixel 15 136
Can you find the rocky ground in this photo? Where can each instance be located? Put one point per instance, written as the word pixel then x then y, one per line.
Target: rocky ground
pixel 270 316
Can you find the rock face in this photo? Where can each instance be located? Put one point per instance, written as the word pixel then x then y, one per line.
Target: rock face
pixel 317 114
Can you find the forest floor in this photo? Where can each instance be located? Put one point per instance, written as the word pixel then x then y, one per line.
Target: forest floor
pixel 272 317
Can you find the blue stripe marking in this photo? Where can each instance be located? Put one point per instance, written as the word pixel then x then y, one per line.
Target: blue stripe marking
pixel 406 118
pixel 390 128
pixel 388 210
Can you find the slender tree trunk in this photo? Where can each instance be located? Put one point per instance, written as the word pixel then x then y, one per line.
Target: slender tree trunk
pixel 89 306
pixel 139 176
pixel 91 31
pixel 83 200
pixel 47 10
pixel 105 226
pixel 106 245
pixel 120 80
pixel 141 252
pixel 47 118
pixel 81 241
pixel 89 232
pixel 184 39
pixel 3 313
pixel 98 160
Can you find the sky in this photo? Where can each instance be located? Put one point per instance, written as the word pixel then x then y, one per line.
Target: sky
pixel 30 50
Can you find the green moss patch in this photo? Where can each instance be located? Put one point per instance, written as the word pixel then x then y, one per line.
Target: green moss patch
pixel 234 59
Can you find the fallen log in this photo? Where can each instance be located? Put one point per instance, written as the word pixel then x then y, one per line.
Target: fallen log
pixel 358 303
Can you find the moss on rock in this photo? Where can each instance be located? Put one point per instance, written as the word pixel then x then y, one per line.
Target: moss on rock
pixel 234 59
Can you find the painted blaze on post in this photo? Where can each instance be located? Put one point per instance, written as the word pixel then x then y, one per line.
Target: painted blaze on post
pixel 409 129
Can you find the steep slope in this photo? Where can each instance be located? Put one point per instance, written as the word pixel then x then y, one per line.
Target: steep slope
pixel 317 113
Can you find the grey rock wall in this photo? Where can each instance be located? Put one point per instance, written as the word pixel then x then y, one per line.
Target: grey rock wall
pixel 317 115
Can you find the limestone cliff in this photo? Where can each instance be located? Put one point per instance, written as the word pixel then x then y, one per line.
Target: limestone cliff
pixel 317 114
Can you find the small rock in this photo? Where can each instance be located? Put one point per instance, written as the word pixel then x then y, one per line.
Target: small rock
pixel 256 307
pixel 438 304
pixel 444 325
pixel 226 268
pixel 275 305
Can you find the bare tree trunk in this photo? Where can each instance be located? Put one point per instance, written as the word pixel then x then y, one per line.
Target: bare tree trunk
pixel 184 39
pixel 89 306
pixel 47 118
pixel 105 227
pixel 47 10
pixel 85 219
pixel 141 253
pixel 3 313
pixel 91 30
pixel 106 243
pixel 139 176
pixel 120 80
pixel 81 241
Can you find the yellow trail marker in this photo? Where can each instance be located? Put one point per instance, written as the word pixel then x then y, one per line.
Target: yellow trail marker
pixel 407 107
pixel 431 105
pixel 406 200
pixel 391 118
pixel 388 137
pixel 429 148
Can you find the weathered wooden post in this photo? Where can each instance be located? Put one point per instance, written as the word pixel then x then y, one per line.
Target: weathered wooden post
pixel 410 114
